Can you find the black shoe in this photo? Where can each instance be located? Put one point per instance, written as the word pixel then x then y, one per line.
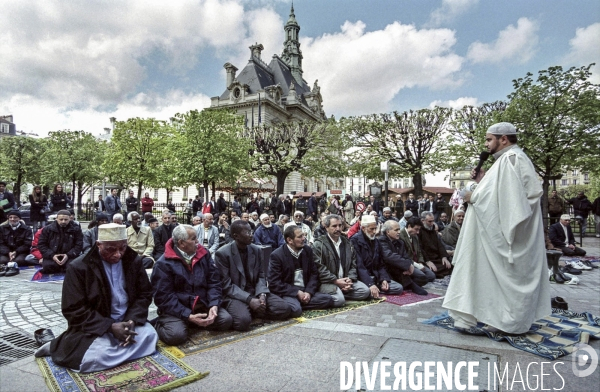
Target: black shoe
pixel 43 351
pixel 3 269
pixel 43 336
pixel 570 270
pixel 559 303
pixel 418 289
pixel 588 263
pixel 557 278
pixel 12 271
pixel 563 276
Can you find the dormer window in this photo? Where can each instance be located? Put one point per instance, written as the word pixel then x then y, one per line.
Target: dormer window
pixel 237 92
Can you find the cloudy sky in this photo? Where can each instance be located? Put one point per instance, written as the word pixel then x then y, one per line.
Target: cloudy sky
pixel 73 64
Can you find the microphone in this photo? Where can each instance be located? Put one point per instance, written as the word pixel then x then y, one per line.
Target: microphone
pixel 482 158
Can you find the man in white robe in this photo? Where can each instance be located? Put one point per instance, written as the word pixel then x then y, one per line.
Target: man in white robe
pixel 500 276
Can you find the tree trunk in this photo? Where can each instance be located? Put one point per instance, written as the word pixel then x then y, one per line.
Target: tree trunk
pixel 213 190
pixel 139 196
pixel 545 187
pixel 418 184
pixel 168 192
pixel 79 196
pixel 281 176
pixel 206 198
pixel 17 190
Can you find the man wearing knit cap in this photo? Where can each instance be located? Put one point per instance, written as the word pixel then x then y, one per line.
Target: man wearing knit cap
pixel 60 242
pixel 15 239
pixel 106 295
pixel 500 275
pixel 268 233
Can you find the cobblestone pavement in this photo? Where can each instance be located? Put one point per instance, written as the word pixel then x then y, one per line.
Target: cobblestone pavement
pixel 305 356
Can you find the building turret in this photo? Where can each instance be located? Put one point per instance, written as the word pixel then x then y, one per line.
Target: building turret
pixel 292 54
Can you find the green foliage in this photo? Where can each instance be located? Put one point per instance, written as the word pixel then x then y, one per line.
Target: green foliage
pixel 467 131
pixel 138 151
pixel 21 163
pixel 558 117
pixel 412 141
pixel 209 147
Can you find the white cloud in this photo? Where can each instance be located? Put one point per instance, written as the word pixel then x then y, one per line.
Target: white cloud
pixel 585 49
pixel 361 72
pixel 458 103
pixel 514 43
pixel 449 10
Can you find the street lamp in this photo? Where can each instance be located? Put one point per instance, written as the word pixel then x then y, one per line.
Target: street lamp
pixel 384 168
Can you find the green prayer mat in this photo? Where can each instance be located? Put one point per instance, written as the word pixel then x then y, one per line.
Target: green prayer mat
pixel 157 372
pixel 350 305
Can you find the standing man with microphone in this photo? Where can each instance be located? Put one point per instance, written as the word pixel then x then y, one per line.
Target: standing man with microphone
pixel 500 275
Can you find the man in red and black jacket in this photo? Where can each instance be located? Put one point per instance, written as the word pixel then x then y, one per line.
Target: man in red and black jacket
pixel 187 289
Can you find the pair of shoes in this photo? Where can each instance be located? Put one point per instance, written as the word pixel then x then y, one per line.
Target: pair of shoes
pixel 588 263
pixel 3 269
pixel 579 265
pixel 12 269
pixel 418 289
pixel 574 280
pixel 570 270
pixel 559 303
pixel 557 278
pixel 43 336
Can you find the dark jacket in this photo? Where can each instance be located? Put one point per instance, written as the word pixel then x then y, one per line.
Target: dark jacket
pixel 233 276
pixel 52 242
pixel 282 271
pixel 555 205
pixel 287 203
pixel 132 204
pixel 557 236
pixel 112 204
pixel 98 204
pixel 18 240
pixel 428 206
pixel 413 206
pixel 581 207
pixel 36 211
pixel 269 236
pixel 312 206
pixel 273 204
pixel 431 246
pixel 596 206
pixel 375 205
pixel 399 206
pixel 394 256
pixel 8 206
pixel 440 205
pixel 413 249
pixel 179 287
pixel 280 208
pixel 196 206
pixel 59 201
pixel 162 234
pixel 328 262
pixel 86 303
pixel 319 231
pixel 368 260
pixel 221 205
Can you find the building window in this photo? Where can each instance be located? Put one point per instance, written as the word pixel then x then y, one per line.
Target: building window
pixel 156 194
pixel 185 193
pixel 586 176
pixel 4 128
pixel 574 172
pixel 360 188
pixel 574 182
pixel 564 182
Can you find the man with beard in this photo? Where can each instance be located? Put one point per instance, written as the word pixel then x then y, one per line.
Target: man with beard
pixel 268 233
pixel 386 215
pixel 299 221
pixel 162 234
pixel 15 241
pixel 451 233
pixel 243 280
pixel 336 260
pixel 254 219
pixel 140 239
pixel 371 270
pixel 434 253
pixel 442 222
pixel 501 276
pixel 106 295
pixel 246 217
pixel 60 242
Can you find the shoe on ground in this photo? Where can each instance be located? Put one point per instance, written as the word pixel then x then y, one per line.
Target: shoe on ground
pixel 556 278
pixel 570 270
pixel 570 279
pixel 43 336
pixel 588 263
pixel 12 269
pixel 559 303
pixel 3 269
pixel 579 265
pixel 43 351
pixel 597 235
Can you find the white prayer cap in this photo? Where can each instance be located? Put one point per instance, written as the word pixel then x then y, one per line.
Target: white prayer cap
pixel 263 216
pixel 387 209
pixel 565 217
pixel 367 220
pixel 459 212
pixel 112 232
pixel 299 213
pixel 502 128
pixel 408 214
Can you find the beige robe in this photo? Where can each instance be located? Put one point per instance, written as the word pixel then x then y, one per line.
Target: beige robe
pixel 500 275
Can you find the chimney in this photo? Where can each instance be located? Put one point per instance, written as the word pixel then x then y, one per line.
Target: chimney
pixel 112 121
pixel 255 50
pixel 231 70
pixel 8 118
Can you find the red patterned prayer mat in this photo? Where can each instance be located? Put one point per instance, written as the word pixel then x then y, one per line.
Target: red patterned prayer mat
pixel 408 297
pixel 157 372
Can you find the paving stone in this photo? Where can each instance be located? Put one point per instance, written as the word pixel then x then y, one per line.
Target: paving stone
pixel 383 325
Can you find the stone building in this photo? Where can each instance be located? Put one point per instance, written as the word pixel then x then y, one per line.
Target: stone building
pixel 267 92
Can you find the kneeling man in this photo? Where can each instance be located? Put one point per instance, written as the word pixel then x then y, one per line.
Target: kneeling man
pixel 187 289
pixel 106 295
pixel 243 280
pixel 562 237
pixel 294 276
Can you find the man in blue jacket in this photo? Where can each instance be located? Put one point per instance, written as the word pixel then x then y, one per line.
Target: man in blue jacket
pixel 268 233
pixel 187 289
pixel 369 264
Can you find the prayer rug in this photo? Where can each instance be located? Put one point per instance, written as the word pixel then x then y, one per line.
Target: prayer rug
pixel 350 305
pixel 441 283
pixel 27 267
pixel 157 372
pixel 550 337
pixel 39 277
pixel 408 298
pixel 202 339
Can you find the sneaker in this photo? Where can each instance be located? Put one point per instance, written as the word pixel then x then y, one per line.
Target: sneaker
pixel 570 270
pixel 12 269
pixel 588 263
pixel 556 278
pixel 3 269
pixel 579 265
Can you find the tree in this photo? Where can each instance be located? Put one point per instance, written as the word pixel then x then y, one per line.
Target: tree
pixel 76 157
pixel 210 149
pixel 467 130
pixel 21 163
pixel 411 140
pixel 558 117
pixel 312 148
pixel 137 150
